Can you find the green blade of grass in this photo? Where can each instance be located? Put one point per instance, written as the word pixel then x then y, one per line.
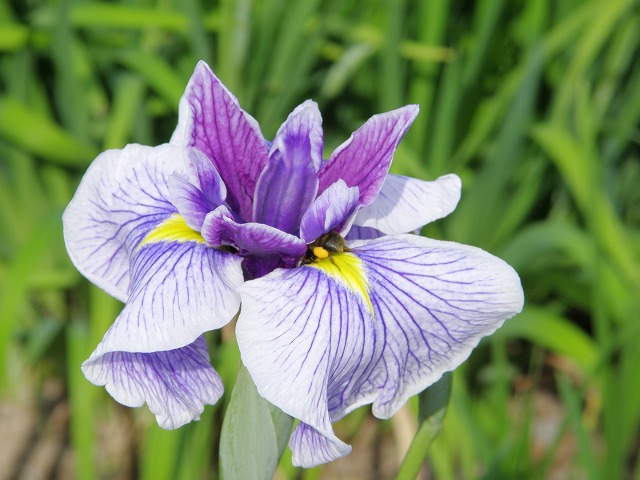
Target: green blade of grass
pixel 40 136
pixel 392 68
pixel 434 402
pixel 158 74
pixel 127 100
pixel 14 292
pixel 81 400
pixel 552 331
pixel 161 453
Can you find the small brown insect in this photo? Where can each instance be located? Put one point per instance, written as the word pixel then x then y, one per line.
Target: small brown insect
pixel 324 246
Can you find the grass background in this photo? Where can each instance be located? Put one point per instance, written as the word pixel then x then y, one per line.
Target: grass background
pixel 535 104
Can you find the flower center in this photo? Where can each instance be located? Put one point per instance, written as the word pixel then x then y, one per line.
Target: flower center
pixel 328 244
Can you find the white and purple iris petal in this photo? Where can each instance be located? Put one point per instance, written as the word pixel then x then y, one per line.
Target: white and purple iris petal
pixel 176 384
pixel 320 342
pixel 325 325
pixel 131 229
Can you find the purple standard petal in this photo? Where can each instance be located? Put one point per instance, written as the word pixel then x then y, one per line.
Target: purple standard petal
pixel 176 384
pixel 122 196
pixel 333 209
pixel 212 121
pixel 220 229
pixel 179 290
pixel 406 204
pixel 373 326
pixel 289 182
pixel 201 192
pixel 364 159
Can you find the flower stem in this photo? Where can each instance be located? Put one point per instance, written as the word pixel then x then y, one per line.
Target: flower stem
pixel 433 408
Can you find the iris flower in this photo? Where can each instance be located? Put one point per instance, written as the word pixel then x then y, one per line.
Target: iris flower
pixel 341 305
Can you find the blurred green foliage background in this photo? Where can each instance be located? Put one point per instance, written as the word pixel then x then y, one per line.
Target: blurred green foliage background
pixel 535 104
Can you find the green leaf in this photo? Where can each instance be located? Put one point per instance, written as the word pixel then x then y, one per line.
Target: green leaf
pixel 254 433
pixel 82 402
pixel 13 37
pixel 40 136
pixel 15 294
pixel 433 403
pixel 158 74
pixel 555 333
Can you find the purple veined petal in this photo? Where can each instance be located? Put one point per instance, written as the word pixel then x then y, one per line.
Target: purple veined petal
pixel 199 193
pixel 436 300
pixel 362 233
pixel 211 120
pixel 206 177
pixel 289 183
pixel 176 384
pixel 301 133
pixel 122 196
pixel 179 290
pixel 364 159
pixel 311 448
pixel 189 200
pixel 316 350
pixel 406 204
pixel 299 338
pixel 221 229
pixel 333 209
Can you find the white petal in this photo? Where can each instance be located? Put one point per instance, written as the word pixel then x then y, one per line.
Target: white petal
pixel 434 301
pixel 179 291
pixel 121 197
pixel 176 384
pixel 406 204
pixel 321 340
pixel 304 340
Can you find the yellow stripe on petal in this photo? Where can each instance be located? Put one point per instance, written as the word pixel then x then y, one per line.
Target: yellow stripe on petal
pixel 347 268
pixel 173 229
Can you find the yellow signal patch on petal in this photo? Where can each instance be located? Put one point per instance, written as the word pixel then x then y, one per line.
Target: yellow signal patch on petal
pixel 347 268
pixel 173 229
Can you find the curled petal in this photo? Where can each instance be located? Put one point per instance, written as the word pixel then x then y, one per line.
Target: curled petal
pixel 199 193
pixel 289 183
pixel 363 161
pixel 319 341
pixel 212 121
pixel 220 229
pixel 176 384
pixel 333 209
pixel 179 290
pixel 436 301
pixel 406 204
pixel 205 176
pixel 122 196
pixel 311 448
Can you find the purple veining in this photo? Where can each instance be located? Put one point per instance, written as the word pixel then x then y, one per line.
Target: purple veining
pixel 222 221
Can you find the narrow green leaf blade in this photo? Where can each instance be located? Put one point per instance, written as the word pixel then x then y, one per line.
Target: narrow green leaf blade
pixel 433 403
pixel 41 136
pixel 254 433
